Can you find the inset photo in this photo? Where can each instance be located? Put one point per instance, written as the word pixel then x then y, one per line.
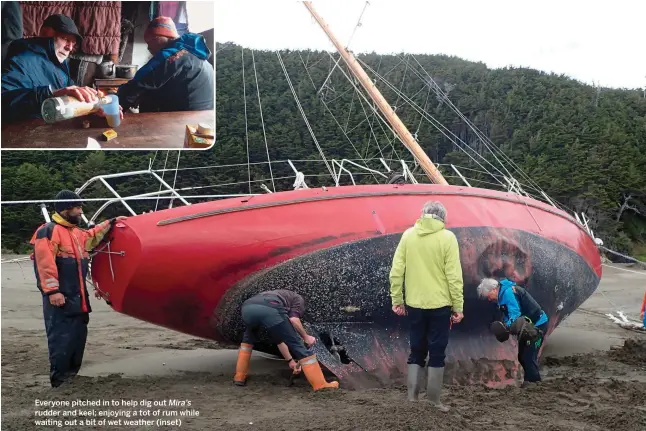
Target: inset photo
pixel 108 75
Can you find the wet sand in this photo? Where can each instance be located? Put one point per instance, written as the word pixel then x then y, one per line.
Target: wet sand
pixel 591 380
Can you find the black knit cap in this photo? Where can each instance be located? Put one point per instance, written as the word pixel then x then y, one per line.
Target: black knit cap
pixel 64 24
pixel 62 205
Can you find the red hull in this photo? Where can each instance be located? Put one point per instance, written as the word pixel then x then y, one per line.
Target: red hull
pixel 179 263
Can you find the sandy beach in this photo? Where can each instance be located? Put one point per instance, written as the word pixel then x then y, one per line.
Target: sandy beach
pixel 594 378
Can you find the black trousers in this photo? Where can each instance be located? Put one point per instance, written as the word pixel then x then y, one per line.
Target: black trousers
pixel 429 334
pixel 528 357
pixel 66 338
pixel 264 312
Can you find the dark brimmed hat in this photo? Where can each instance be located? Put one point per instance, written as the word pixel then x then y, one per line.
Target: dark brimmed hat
pixel 64 24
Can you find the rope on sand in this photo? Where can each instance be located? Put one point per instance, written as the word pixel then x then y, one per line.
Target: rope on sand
pixel 625 269
pixel 623 321
pixel 622 255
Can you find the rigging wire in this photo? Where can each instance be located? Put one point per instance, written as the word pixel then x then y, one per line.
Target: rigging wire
pixel 481 135
pixel 371 121
pixel 435 123
pixel 478 133
pixel 358 24
pixel 485 140
pixel 289 81
pixel 356 92
pixel 263 122
pixel 372 134
pixel 246 128
pixel 336 121
pixel 377 112
pixel 398 95
pixel 436 88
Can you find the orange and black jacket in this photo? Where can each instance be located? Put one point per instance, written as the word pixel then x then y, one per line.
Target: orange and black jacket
pixel 61 260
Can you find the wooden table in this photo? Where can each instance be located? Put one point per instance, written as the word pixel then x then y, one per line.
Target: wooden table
pixel 148 130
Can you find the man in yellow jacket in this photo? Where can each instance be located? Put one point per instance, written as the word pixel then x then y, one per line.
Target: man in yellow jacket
pixel 428 258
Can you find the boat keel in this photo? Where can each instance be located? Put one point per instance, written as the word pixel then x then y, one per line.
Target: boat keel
pixel 365 355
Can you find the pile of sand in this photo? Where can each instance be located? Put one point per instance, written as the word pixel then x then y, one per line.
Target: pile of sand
pixel 633 352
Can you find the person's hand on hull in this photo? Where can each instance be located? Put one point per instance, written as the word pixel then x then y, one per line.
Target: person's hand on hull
pixel 116 219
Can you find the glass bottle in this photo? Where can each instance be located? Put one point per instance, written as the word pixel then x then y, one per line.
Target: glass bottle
pixel 63 108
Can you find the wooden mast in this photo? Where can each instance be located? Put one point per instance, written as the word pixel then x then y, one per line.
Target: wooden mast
pixel 399 127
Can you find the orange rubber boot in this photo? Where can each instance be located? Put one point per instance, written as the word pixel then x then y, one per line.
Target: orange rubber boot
pixel 312 370
pixel 242 367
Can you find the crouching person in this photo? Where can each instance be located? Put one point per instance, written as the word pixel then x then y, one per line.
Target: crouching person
pixel 279 312
pixel 522 317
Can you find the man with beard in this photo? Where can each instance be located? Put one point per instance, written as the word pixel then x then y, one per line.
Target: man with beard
pixel 61 257
pixel 37 68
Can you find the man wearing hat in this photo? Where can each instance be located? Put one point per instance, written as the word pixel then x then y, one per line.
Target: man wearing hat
pixel 177 78
pixel 37 68
pixel 61 258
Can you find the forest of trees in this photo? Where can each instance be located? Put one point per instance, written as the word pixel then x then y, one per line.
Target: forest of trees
pixel 584 146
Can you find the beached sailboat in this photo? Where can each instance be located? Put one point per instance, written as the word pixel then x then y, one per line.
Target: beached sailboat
pixel 190 268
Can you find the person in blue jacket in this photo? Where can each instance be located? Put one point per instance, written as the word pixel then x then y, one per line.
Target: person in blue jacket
pixel 521 316
pixel 177 78
pixel 37 68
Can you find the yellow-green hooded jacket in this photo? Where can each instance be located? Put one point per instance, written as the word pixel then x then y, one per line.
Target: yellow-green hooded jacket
pixel 428 258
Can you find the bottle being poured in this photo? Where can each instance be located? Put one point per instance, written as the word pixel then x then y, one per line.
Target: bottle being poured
pixel 63 108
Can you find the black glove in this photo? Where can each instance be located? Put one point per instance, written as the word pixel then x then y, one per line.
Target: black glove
pixel 500 331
